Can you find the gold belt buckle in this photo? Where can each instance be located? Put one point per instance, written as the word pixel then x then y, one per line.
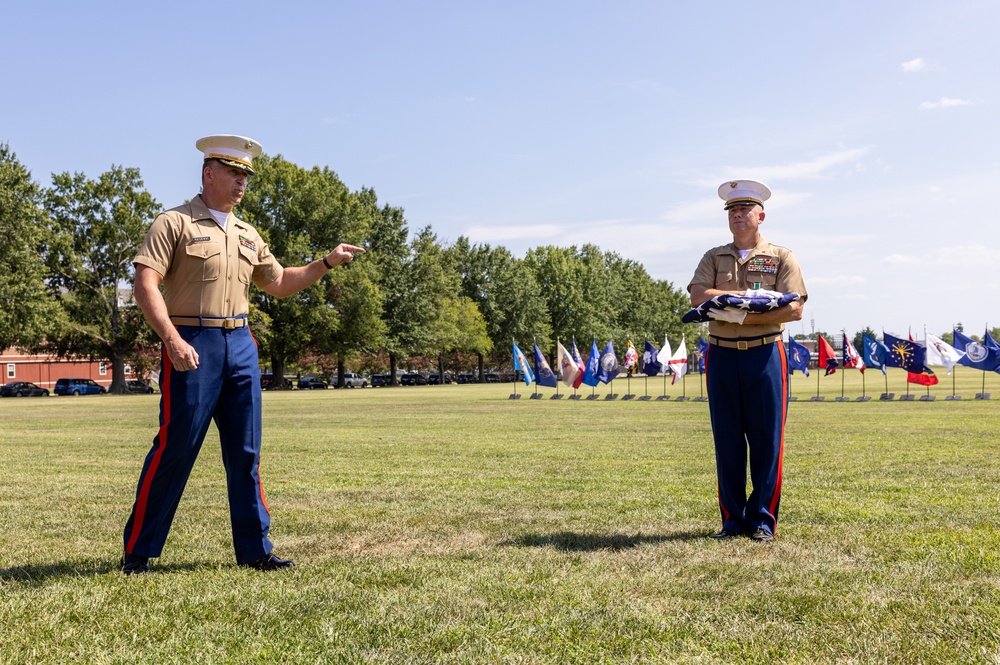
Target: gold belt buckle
pixel 741 345
pixel 229 324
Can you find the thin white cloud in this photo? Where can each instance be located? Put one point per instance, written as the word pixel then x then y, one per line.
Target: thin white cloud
pixel 809 169
pixel 945 102
pixel 954 256
pixel 510 233
pixel 837 280
pixel 915 65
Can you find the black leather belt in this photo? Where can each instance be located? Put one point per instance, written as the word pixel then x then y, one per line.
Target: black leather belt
pixel 743 343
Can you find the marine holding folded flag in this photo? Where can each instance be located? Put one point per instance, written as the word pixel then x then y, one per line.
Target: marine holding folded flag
pixel 192 282
pixel 746 364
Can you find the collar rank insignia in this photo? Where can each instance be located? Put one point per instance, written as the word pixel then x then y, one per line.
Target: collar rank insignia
pixel 248 243
pixel 765 264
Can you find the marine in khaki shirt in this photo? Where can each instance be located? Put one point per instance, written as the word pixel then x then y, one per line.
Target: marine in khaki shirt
pixel 192 282
pixel 206 269
pixel 768 267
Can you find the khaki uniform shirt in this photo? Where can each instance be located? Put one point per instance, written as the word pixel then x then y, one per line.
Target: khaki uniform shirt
pixel 773 267
pixel 206 270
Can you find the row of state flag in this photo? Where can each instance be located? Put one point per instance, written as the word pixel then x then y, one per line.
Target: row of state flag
pixel 906 354
pixel 914 357
pixel 603 366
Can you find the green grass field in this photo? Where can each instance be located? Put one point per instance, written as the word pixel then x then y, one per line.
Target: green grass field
pixel 450 524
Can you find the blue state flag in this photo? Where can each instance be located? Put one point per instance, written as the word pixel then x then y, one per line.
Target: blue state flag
pixel 701 350
pixel 593 364
pixel 544 376
pixel 977 356
pixel 874 352
pixel 609 366
pixel 650 365
pixel 521 365
pixel 904 353
pixel 798 357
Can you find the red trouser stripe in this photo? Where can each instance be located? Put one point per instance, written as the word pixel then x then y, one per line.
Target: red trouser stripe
pixel 784 416
pixel 147 481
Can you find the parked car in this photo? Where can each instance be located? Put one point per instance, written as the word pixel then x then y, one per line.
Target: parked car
pixel 139 387
pixel 78 387
pixel 380 380
pixel 465 377
pixel 413 379
pixel 22 389
pixel 435 379
pixel 267 382
pixel 352 380
pixel 492 378
pixel 312 383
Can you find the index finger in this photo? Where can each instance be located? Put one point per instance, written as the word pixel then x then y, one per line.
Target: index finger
pixel 352 248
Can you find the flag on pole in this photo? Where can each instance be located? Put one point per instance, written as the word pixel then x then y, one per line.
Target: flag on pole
pixel 977 356
pixel 903 353
pixel 827 356
pixel 651 366
pixel 521 365
pixel 664 355
pixel 544 376
pixel 593 364
pixel 798 357
pixel 874 352
pixel 940 353
pixel 851 356
pixel 925 376
pixel 608 365
pixel 700 352
pixel 679 362
pixel 572 373
pixel 631 360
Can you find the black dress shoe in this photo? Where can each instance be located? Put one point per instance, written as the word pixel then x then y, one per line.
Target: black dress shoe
pixel 762 536
pixel 134 565
pixel 269 562
pixel 725 534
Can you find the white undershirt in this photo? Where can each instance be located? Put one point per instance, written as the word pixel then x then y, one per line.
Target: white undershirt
pixel 744 253
pixel 220 217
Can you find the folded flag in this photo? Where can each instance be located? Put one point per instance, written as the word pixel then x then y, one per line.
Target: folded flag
pixel 730 301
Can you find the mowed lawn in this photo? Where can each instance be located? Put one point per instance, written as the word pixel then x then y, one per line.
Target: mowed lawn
pixel 450 524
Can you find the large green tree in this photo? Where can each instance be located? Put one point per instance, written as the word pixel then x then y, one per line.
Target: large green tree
pixel 302 215
pixel 95 229
pixel 27 309
pixel 506 293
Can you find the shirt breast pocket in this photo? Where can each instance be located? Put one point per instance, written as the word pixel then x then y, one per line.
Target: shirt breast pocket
pixel 205 261
pixel 766 280
pixel 248 261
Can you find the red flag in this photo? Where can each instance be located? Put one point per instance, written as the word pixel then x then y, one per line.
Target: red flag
pixel 924 378
pixel 827 357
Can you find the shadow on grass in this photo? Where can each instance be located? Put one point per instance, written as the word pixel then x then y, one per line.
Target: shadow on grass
pixel 589 542
pixel 39 575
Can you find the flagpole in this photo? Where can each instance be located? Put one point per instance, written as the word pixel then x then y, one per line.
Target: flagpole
pixel 817 374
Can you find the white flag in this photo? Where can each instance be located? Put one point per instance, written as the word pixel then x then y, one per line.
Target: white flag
pixel 941 353
pixel 679 362
pixel 663 357
pixel 572 373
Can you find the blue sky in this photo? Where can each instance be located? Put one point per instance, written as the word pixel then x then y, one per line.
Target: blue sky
pixel 526 124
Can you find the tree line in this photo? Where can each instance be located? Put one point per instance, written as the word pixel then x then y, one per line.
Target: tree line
pixel 66 272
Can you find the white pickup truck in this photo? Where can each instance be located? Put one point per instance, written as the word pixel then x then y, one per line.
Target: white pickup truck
pixel 352 380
